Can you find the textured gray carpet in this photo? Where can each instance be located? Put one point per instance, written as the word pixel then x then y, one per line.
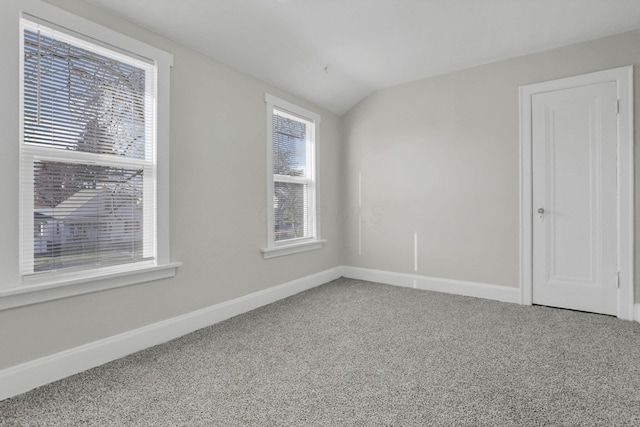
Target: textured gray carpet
pixel 358 353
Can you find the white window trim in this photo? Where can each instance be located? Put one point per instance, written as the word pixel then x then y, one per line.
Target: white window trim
pixel 81 284
pixel 291 246
pixel 25 292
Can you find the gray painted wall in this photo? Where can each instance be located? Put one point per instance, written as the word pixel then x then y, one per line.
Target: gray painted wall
pixel 218 149
pixel 440 157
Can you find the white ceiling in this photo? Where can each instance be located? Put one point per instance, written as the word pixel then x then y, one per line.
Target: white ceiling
pixel 335 52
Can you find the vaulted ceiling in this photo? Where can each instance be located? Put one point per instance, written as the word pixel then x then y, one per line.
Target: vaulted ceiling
pixel 336 52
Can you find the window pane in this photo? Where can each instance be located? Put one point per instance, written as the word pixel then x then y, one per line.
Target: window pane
pixel 289 145
pixel 86 215
pixel 79 100
pixel 290 208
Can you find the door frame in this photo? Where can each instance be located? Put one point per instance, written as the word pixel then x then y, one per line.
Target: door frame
pixel 623 77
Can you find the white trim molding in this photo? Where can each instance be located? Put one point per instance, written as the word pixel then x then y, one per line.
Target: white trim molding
pixel 84 284
pixel 637 313
pixel 312 238
pixel 449 286
pixel 21 378
pixel 277 251
pixel 19 289
pixel 26 376
pixel 623 77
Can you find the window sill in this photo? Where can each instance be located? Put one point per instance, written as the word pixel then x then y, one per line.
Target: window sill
pixel 37 292
pixel 294 248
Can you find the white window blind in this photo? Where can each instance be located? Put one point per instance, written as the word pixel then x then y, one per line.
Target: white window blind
pixel 88 161
pixel 293 154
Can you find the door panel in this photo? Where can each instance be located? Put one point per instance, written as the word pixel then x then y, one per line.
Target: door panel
pixel 574 182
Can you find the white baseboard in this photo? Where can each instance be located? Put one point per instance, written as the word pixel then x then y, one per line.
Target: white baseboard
pixel 636 312
pixel 26 376
pixel 457 287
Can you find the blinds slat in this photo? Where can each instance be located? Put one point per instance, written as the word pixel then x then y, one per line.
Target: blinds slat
pixel 292 174
pixel 82 100
pixel 85 215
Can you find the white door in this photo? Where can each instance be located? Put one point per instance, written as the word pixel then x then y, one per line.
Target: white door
pixel 574 144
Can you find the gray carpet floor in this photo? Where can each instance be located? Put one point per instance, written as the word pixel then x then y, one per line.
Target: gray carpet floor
pixel 354 353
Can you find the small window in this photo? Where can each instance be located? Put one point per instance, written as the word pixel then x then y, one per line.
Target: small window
pixel 292 141
pixel 88 154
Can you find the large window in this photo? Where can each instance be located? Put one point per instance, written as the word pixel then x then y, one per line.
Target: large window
pixel 88 155
pixel 292 138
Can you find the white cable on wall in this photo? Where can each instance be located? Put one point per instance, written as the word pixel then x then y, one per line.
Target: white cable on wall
pixel 415 251
pixel 360 213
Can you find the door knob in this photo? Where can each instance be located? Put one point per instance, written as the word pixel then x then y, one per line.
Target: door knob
pixel 540 210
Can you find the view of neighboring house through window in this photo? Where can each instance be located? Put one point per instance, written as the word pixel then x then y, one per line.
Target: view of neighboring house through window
pixel 88 162
pixel 293 170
